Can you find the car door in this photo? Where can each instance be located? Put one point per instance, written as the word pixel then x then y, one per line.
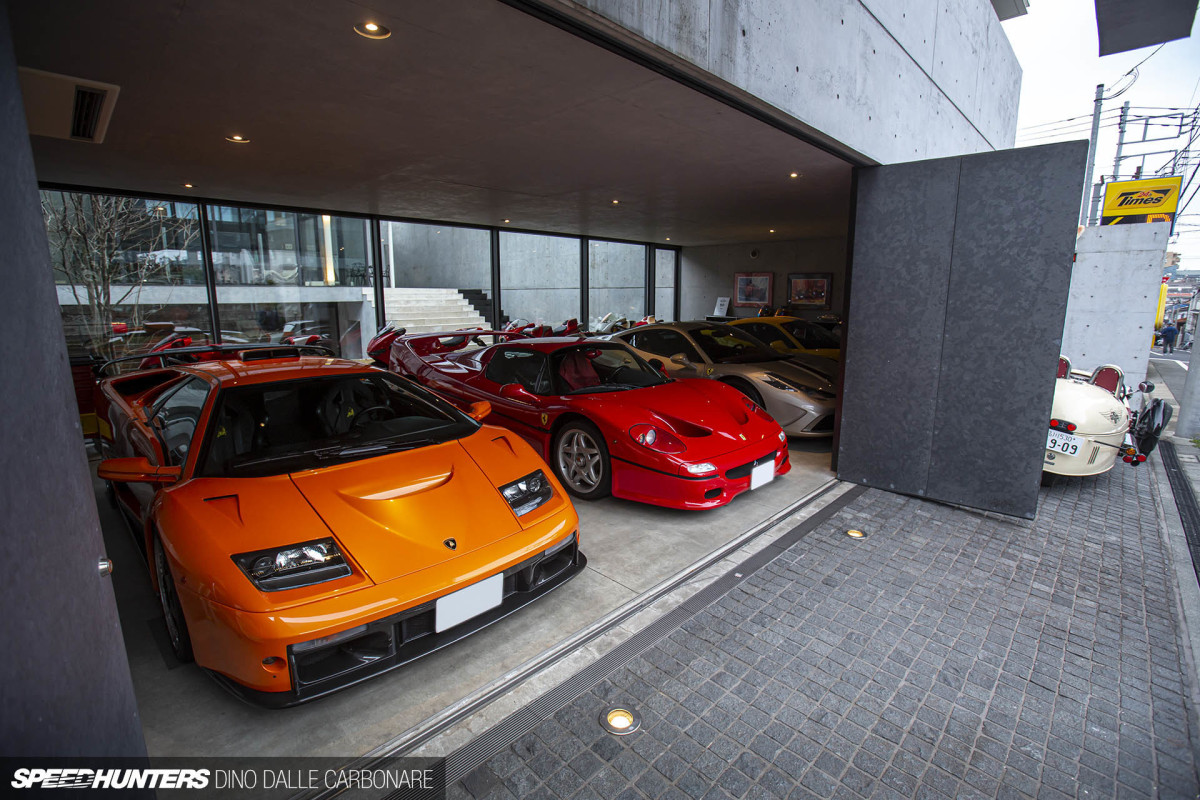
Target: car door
pixel 173 426
pixel 665 344
pixel 529 369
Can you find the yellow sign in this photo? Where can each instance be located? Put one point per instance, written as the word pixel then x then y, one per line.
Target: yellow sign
pixel 1152 200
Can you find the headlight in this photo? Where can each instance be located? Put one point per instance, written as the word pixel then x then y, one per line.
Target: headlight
pixel 703 468
pixel 526 494
pixel 818 394
pixel 657 439
pixel 782 437
pixel 294 565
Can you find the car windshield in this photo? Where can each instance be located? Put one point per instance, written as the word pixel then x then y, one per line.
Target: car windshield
pixel 724 344
pixel 601 367
pixel 811 335
pixel 274 428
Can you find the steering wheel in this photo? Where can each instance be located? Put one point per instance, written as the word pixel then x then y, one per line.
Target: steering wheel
pixel 361 416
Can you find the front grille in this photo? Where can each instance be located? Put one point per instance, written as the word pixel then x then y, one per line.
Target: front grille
pixel 383 638
pixel 743 470
pixel 822 425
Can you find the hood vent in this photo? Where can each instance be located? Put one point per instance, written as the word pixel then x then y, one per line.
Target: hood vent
pixel 63 107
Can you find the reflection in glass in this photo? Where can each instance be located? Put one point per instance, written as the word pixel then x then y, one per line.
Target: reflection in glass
pixel 293 278
pixel 129 271
pixel 616 281
pixel 436 277
pixel 539 277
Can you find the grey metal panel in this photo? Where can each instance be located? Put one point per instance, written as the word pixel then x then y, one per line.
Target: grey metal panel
pixel 961 269
pixel 65 687
pixel 1125 25
pixel 903 239
pixel 1014 242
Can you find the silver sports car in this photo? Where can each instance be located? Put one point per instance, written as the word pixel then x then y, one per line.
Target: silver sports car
pixel 799 398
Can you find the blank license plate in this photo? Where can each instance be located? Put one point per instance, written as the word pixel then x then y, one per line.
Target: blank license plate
pixel 762 474
pixel 1061 442
pixel 469 602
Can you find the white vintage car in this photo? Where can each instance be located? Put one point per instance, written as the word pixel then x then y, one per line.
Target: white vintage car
pixel 1091 426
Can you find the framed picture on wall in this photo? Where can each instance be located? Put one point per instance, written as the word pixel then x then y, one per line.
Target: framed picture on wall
pixel 753 289
pixel 810 290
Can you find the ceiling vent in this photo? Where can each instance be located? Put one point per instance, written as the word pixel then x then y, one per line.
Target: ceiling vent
pixel 67 108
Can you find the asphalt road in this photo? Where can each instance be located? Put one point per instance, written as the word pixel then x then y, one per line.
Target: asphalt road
pixel 1172 368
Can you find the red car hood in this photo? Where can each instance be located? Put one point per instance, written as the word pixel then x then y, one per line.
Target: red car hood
pixel 708 416
pixel 394 513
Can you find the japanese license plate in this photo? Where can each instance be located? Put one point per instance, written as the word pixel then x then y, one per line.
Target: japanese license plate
pixel 1061 442
pixel 470 602
pixel 762 474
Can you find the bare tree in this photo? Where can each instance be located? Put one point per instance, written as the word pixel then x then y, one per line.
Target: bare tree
pixel 105 246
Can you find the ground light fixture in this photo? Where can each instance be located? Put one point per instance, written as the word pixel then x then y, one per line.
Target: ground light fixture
pixel 620 721
pixel 237 138
pixel 856 534
pixel 372 30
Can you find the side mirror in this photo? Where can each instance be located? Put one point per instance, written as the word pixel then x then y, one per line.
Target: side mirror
pixel 656 363
pixel 477 411
pixel 517 393
pixel 137 470
pixel 681 360
pixel 1146 387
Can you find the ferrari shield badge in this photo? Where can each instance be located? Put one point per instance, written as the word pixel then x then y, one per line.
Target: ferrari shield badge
pixel 709 371
pixel 545 419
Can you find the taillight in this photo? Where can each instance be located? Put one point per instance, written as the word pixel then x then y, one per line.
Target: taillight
pixel 1062 425
pixel 657 439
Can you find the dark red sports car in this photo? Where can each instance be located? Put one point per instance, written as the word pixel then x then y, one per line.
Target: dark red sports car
pixel 605 420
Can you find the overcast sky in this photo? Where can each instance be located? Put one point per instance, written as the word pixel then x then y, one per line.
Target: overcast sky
pixel 1056 44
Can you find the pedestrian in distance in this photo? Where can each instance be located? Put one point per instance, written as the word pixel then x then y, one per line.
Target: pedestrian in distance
pixel 1169 332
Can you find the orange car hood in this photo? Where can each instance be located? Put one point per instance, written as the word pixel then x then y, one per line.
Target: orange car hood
pixel 395 513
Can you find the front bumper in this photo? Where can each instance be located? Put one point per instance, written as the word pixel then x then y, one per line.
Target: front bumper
pixel 636 482
pixel 393 640
pixel 798 415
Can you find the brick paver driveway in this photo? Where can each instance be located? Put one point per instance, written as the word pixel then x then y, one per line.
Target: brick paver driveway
pixel 950 654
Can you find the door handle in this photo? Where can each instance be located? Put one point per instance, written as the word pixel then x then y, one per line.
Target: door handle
pixel 106 567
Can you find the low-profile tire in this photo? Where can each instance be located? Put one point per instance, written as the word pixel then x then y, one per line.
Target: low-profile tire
pixel 580 459
pixel 748 390
pixel 168 596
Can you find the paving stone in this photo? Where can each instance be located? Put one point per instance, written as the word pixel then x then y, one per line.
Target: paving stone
pixel 953 654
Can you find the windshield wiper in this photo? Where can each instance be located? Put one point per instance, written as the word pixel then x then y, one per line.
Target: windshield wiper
pixel 387 446
pixel 320 453
pixel 604 387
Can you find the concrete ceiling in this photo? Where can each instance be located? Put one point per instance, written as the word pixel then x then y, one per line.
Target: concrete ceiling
pixel 472 111
pixel 1130 24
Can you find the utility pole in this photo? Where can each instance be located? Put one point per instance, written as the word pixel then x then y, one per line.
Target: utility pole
pixel 1120 140
pixel 1091 160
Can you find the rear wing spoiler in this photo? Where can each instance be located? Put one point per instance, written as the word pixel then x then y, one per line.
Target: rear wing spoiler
pixel 423 344
pixel 218 352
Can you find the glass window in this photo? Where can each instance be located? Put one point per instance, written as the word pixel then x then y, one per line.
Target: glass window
pixel 595 367
pixel 521 366
pixel 293 278
pixel 272 428
pixel 665 343
pixel 616 281
pixel 436 277
pixel 129 271
pixel 539 277
pixel 175 418
pixel 724 344
pixel 768 334
pixel 812 335
pixel 664 285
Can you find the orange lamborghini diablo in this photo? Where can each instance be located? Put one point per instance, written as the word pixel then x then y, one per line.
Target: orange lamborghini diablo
pixel 311 522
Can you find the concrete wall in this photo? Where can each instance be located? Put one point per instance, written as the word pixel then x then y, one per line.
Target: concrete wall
pixel 64 679
pixel 892 81
pixel 1114 297
pixel 708 272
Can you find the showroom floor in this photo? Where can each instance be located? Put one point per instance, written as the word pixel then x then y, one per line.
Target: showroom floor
pixel 631 548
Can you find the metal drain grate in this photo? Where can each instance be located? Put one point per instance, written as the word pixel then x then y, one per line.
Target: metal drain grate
pixel 1185 501
pixel 467 758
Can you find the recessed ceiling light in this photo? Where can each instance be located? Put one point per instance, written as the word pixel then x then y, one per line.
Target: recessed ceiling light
pixel 372 30
pixel 187 186
pixel 615 202
pixel 237 138
pixel 794 175
pixel 772 230
pixel 507 221
pixel 668 238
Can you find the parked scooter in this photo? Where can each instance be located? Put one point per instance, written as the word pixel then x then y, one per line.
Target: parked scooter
pixel 1146 424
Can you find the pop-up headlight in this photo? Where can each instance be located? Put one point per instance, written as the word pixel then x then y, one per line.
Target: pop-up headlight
pixel 528 493
pixel 294 565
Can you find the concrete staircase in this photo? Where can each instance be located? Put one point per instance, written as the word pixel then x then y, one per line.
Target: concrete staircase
pixel 426 310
